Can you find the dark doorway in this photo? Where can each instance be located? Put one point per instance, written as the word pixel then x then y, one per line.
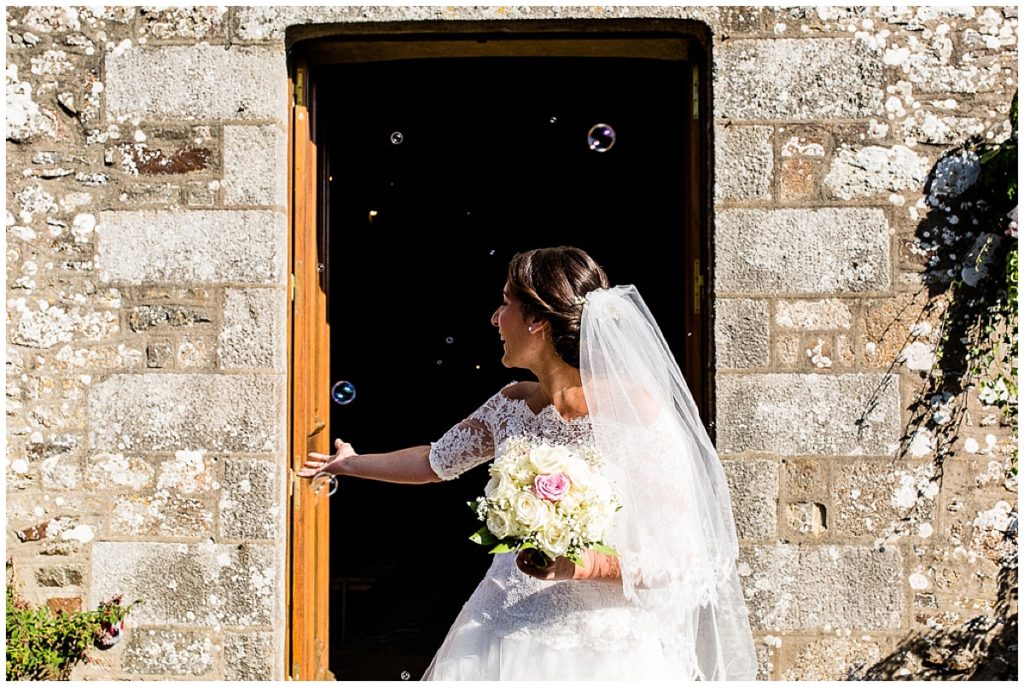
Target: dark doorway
pixel 438 170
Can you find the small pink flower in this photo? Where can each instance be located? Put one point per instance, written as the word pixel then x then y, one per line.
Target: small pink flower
pixel 551 487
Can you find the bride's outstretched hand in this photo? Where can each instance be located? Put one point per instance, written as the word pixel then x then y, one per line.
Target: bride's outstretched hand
pixel 321 462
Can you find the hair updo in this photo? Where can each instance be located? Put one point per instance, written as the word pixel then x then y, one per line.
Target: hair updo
pixel 548 282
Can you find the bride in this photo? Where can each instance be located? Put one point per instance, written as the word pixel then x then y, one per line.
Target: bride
pixel 669 606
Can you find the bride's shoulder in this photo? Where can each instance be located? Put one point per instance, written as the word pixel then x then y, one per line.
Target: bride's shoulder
pixel 518 390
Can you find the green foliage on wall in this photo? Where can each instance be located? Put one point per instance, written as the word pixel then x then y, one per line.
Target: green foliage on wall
pixel 43 645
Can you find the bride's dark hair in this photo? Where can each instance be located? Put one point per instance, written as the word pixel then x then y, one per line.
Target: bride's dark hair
pixel 548 282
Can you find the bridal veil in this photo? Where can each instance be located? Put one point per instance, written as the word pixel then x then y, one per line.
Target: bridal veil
pixel 675 534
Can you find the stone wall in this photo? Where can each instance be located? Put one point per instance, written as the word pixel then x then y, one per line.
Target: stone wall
pixel 146 242
pixel 146 374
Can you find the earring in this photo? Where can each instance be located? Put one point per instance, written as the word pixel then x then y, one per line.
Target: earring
pixel 529 329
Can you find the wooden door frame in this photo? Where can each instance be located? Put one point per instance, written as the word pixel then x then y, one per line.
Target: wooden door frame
pixel 307 584
pixel 307 570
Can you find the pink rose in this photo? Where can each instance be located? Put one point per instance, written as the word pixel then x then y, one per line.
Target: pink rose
pixel 552 487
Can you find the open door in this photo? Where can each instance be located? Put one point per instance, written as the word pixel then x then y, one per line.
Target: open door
pixel 421 164
pixel 309 514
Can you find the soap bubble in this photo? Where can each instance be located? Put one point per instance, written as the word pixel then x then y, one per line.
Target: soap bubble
pixel 601 138
pixel 397 137
pixel 322 480
pixel 343 393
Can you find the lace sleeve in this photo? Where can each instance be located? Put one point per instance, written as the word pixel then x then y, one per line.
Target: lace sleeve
pixel 467 444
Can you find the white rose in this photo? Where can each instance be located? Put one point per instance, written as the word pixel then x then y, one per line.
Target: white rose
pixel 499 524
pixel 553 539
pixel 572 500
pixel 531 512
pixel 500 484
pixel 548 459
pixel 579 473
pixel 596 525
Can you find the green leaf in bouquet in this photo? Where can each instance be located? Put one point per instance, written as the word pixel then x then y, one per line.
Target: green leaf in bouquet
pixel 473 505
pixel 577 559
pixel 483 536
pixel 604 548
pixel 505 546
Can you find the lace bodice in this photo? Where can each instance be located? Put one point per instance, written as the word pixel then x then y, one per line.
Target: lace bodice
pixel 563 613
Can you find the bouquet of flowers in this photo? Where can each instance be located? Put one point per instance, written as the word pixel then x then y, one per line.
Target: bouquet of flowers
pixel 550 499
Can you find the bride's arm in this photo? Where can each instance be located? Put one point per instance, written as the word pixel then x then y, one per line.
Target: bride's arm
pixel 404 466
pixel 600 568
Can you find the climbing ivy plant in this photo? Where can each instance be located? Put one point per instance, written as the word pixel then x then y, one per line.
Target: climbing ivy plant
pixel 970 238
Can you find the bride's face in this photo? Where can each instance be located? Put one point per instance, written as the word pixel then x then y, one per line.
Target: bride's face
pixel 514 331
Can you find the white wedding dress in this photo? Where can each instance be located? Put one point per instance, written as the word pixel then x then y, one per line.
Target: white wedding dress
pixel 517 627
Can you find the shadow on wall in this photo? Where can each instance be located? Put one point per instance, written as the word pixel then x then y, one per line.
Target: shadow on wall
pixel 966 247
pixel 983 648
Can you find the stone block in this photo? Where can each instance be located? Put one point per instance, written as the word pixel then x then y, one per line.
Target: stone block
pixel 64 604
pixel 175 23
pixel 808 353
pixel 826 250
pixel 188 247
pixel 806 478
pixel 799 414
pixel 145 159
pixel 807 518
pixel 805 141
pixel 115 471
pixel 145 317
pixel 251 334
pixel 161 412
pixel 743 163
pixel 159 354
pixel 141 194
pixel 741 332
pixel 926 127
pixel 810 588
pixel 891 323
pixel 60 473
pixel 26 121
pixel 249 507
pixel 248 656
pixel 832 658
pixel 168 652
pixel 253 170
pixel 197 353
pixel 929 76
pixel 189 472
pixel 754 490
pixel 199 194
pixel 59 576
pixel 171 296
pixel 197 82
pixel 206 585
pixel 41 324
pixel 785 78
pixel 765 658
pixel 160 515
pixel 798 179
pixel 822 314
pixel 844 354
pixel 871 170
pixel 882 500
